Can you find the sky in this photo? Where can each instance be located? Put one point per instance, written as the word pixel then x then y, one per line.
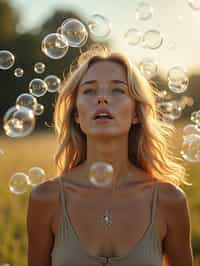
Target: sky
pixel 178 23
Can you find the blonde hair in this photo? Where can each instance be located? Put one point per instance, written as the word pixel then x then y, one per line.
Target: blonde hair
pixel 147 140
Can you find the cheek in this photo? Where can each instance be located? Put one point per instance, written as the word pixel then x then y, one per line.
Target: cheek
pixel 126 107
pixel 82 107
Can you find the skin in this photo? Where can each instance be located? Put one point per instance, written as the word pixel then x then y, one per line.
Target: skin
pixel 133 187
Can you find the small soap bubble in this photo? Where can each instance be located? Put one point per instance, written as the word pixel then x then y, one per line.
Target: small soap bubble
pixel 39 109
pixel 18 183
pixel 101 174
pixel 38 87
pixel 18 122
pixel 36 176
pixel 39 68
pixel 177 79
pixel 99 26
pixel 148 67
pixel 144 11
pixel 133 36
pixel 53 83
pixel 18 72
pixel 194 4
pixel 195 117
pixel 191 148
pixel 55 46
pixel 152 39
pixel 7 59
pixel 75 32
pixel 169 110
pixel 27 100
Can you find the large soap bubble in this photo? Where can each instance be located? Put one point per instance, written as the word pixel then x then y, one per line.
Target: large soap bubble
pixel 191 148
pixel 18 183
pixel 99 26
pixel 53 83
pixel 177 79
pixel 38 87
pixel 133 36
pixel 75 32
pixel 144 11
pixel 148 67
pixel 18 122
pixel 152 39
pixel 55 46
pixel 27 100
pixel 36 176
pixel 7 59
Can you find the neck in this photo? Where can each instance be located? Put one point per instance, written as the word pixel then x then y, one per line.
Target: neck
pixel 113 151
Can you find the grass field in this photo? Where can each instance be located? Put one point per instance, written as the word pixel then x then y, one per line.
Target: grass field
pixel 37 150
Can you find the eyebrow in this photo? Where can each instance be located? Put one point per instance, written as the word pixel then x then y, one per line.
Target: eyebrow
pixel 96 81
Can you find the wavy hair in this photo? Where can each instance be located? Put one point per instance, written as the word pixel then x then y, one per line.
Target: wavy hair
pixel 148 146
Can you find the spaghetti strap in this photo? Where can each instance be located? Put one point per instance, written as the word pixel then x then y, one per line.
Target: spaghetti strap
pixel 62 196
pixel 154 203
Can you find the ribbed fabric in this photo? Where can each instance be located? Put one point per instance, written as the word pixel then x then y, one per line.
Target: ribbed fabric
pixel 68 251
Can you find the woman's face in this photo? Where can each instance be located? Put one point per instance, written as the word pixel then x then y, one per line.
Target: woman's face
pixel 104 89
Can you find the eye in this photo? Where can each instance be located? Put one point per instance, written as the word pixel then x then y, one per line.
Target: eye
pixel 88 90
pixel 119 90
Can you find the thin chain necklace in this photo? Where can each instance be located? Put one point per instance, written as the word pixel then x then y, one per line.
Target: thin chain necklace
pixel 107 218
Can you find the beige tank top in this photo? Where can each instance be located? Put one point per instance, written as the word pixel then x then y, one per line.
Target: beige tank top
pixel 69 251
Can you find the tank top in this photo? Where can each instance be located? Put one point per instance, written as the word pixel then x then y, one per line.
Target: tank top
pixel 69 251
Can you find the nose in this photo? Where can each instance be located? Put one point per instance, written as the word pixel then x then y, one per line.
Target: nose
pixel 103 99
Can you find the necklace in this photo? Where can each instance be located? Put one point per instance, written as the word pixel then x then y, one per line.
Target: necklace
pixel 107 219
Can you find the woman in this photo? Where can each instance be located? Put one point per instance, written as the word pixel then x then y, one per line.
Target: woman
pixel 106 112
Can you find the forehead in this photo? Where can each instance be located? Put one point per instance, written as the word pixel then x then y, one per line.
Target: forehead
pixel 105 70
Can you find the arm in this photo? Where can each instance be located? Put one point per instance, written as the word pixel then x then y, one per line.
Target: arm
pixel 40 237
pixel 177 243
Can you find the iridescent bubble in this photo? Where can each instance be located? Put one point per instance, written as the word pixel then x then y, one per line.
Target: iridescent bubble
pixel 132 36
pixel 75 32
pixel 99 26
pixel 38 87
pixel 144 11
pixel 18 122
pixel 148 67
pixel 39 109
pixel 101 174
pixel 18 183
pixel 53 83
pixel 169 110
pixel 191 148
pixel 36 176
pixel 18 72
pixel 39 68
pixel 194 4
pixel 195 117
pixel 55 46
pixel 152 39
pixel 27 100
pixel 177 79
pixel 7 59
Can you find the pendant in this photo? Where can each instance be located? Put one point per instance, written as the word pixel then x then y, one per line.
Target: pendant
pixel 107 220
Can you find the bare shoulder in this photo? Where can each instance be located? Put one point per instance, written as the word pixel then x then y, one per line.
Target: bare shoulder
pixel 171 194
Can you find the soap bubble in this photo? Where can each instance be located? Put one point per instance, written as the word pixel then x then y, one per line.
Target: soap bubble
pixel 55 46
pixel 132 36
pixel 152 39
pixel 191 148
pixel 39 109
pixel 7 59
pixel 27 100
pixel 39 67
pixel 195 117
pixel 99 26
pixel 101 174
pixel 177 79
pixel 191 129
pixel 169 110
pixel 18 183
pixel 144 11
pixel 194 4
pixel 36 176
pixel 53 83
pixel 75 32
pixel 18 122
pixel 38 87
pixel 148 67
pixel 18 72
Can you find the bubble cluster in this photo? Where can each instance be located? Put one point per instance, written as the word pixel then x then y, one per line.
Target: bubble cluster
pixel 101 174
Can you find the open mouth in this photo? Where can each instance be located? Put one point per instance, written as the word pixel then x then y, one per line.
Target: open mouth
pixel 103 117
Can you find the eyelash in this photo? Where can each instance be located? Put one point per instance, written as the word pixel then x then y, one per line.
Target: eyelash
pixel 91 90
